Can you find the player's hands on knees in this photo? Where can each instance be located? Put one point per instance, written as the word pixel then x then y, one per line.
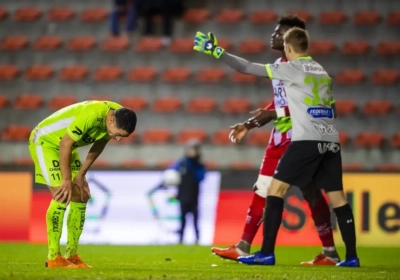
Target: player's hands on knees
pixel 262 117
pixel 207 44
pixel 64 192
pixel 83 187
pixel 239 131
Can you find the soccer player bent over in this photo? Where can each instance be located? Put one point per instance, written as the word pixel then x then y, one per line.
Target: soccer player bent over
pixel 53 147
pixel 279 142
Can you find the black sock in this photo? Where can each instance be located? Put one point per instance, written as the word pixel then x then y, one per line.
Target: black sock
pixel 345 218
pixel 272 222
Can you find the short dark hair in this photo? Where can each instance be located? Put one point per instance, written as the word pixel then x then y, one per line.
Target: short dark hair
pixel 292 21
pixel 125 119
pixel 297 38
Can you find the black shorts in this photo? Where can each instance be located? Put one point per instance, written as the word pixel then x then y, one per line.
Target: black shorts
pixel 306 162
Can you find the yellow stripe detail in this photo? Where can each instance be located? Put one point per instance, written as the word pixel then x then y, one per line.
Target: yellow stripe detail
pixel 269 72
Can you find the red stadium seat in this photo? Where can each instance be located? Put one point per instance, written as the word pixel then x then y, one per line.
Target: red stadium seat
pixel 60 102
pixel 221 137
pixel 166 105
pixel 355 47
pixel 164 163
pixel 377 107
pixel 176 75
pixel 386 77
pixel 3 13
pixel 369 139
pixel 345 107
pixel 353 167
pixel 142 74
pixel 226 44
pixel 8 72
pixel 252 46
pixel 14 43
pixel 211 164
pixel 23 161
pixel 389 47
pixel 210 75
pixel 47 43
pixel 201 105
pixel 115 44
pixel 39 72
pixel 350 77
pixel 395 141
pixel 332 18
pixel 16 133
pixel 393 18
pixel 343 138
pixel 148 44
pixel 321 47
pixel 366 18
pixel 259 138
pixel 60 14
pixel 196 16
pixel 190 134
pixel 28 102
pixel 263 17
pixel 236 105
pixel 136 103
pixel 240 78
pixel 27 14
pixel 156 136
pixel 133 163
pixel 3 101
pixel 73 73
pixel 93 15
pixel 388 167
pixel 241 165
pixel 230 16
pixel 81 43
pixel 126 140
pixel 303 14
pixel 101 163
pixel 182 45
pixel 107 73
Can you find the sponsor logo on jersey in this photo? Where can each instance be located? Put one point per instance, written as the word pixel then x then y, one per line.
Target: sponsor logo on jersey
pixel 275 65
pixel 314 69
pixel 320 112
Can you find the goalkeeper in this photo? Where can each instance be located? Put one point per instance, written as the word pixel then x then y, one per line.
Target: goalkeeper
pixel 278 143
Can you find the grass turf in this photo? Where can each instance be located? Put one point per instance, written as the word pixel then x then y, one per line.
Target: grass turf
pixel 26 261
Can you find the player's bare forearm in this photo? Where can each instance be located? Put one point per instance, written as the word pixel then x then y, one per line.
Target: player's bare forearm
pixel 244 66
pixel 66 144
pixel 94 152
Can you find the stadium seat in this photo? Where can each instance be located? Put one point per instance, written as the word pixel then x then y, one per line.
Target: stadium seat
pixel 60 102
pixel 8 72
pixel 101 163
pixel 142 74
pixel 196 16
pixel 366 18
pixel 350 77
pixel 16 133
pixel 226 44
pixel 211 164
pixel 115 44
pixel 387 167
pixel 393 18
pixel 14 43
pixel 133 163
pixel 201 105
pixel 81 43
pixel 107 73
pixel 353 167
pixel 126 140
pixel 240 165
pixel 230 16
pixel 303 14
pixel 263 17
pixel 27 14
pixel 377 107
pixel 395 141
pixel 148 44
pixel 343 138
pixel 100 98
pixel 166 105
pixel 321 47
pixel 190 134
pixel 47 43
pixel 345 107
pixel 28 102
pixel 60 14
pixel 73 73
pixel 332 17
pixel 370 139
pixel 236 105
pixel 3 13
pixel 389 47
pixel 385 77
pixel 23 161
pixel 38 72
pixel 259 138
pixel 164 163
pixel 156 136
pixel 221 137
pixel 240 78
pixel 136 103
pixel 355 47
pixel 176 75
pixel 252 46
pixel 93 15
pixel 3 101
pixel 210 75
pixel 182 45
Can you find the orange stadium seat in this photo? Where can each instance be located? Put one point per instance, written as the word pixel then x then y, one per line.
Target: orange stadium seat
pixel 236 105
pixel 136 103
pixel 115 44
pixel 221 137
pixel 252 46
pixel 377 107
pixel 240 78
pixel 73 73
pixel 27 14
pixel 321 47
pixel 355 166
pixel 176 75
pixel 201 105
pixel 182 45
pixel 395 141
pixel 259 138
pixel 142 74
pixel 355 47
pixel 100 98
pixel 156 136
pixel 60 14
pixel 345 107
pixel 303 14
pixel 332 17
pixel 389 48
pixel 226 44
pixel 133 163
pixel 388 167
pixel 393 18
pixel 3 13
pixel 166 104
pixel 263 17
pixel 385 77
pixel 196 16
pixel 191 133
pixel 47 43
pixel 107 73
pixel 81 43
pixel 241 165
pixel 101 163
pixel 16 133
pixel 366 18
pixel 23 161
pixel 126 140
pixel 350 77
pixel 3 101
pixel 164 163
pixel 94 15
pixel 60 102
pixel 38 72
pixel 344 138
pixel 14 43
pixel 148 44
pixel 210 75
pixel 230 16
pixel 211 164
pixel 370 139
pixel 8 72
pixel 28 102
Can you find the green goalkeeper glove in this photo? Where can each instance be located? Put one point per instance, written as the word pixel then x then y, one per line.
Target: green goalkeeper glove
pixel 283 124
pixel 207 44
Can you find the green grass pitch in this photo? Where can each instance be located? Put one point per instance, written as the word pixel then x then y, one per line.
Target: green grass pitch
pixel 26 261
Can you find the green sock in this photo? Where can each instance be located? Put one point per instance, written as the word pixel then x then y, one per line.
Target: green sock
pixel 54 221
pixel 75 222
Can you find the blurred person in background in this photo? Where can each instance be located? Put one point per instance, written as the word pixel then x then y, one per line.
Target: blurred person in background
pixel 124 8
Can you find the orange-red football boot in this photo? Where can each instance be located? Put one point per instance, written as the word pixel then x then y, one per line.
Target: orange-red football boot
pixel 230 253
pixel 321 259
pixel 60 262
pixel 76 260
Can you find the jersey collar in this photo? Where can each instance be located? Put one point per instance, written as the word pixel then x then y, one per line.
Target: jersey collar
pixel 304 57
